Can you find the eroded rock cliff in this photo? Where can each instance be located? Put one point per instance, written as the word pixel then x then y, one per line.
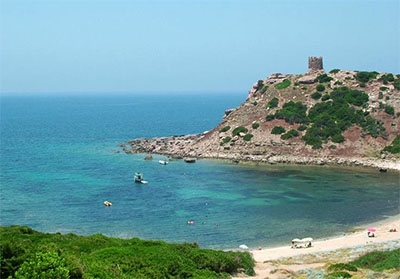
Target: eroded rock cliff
pixel 370 121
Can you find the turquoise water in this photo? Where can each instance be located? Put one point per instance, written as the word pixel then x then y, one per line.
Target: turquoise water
pixel 60 160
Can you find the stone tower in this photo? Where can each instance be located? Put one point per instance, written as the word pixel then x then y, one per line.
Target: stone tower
pixel 315 64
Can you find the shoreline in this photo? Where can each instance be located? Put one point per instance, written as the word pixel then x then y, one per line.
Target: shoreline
pixel 342 248
pixel 179 147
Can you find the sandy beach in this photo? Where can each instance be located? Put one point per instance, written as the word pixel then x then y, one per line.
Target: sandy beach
pixel 275 262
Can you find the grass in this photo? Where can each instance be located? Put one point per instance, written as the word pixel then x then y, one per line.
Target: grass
pixel 284 84
pixel 379 260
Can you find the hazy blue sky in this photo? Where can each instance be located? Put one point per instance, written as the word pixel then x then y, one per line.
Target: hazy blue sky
pixel 187 45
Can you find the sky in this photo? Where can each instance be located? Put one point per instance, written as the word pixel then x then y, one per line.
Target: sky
pixel 59 46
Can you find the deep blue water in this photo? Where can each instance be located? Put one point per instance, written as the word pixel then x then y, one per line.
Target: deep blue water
pixel 60 160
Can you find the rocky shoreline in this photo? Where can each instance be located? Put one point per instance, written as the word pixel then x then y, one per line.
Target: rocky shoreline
pixel 184 146
pixel 273 125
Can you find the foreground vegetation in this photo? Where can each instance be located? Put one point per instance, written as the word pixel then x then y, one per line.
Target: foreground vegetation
pixel 26 253
pixel 375 261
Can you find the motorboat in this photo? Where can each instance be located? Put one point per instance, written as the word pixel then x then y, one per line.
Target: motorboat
pixel 138 178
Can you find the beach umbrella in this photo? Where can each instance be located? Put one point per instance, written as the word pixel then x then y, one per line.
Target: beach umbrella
pixel 296 240
pixel 371 229
pixel 243 246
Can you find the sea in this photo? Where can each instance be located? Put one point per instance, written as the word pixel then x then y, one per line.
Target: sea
pixel 61 159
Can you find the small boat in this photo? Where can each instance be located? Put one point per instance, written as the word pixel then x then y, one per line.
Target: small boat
pixel 163 162
pixel 139 178
pixel 190 160
pixel 107 203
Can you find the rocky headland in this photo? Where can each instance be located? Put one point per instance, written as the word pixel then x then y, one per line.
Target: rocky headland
pixel 347 118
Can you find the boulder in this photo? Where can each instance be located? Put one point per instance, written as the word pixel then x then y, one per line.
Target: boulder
pixel 308 79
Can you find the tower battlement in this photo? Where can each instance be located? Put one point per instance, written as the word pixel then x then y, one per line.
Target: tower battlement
pixel 315 64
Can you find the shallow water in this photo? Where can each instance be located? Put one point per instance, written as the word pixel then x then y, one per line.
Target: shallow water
pixel 60 160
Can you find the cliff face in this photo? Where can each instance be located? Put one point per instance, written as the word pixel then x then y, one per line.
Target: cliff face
pixel 248 132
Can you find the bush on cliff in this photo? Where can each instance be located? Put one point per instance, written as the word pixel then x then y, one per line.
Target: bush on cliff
pixel 239 130
pixel 284 84
pixel 324 78
pixel 292 133
pixel 278 130
pixel 316 95
pixel 225 129
pixel 394 148
pixel 366 76
pixel 320 87
pixel 273 103
pixel 247 137
pixel 293 112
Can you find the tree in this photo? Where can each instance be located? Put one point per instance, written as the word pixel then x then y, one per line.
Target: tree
pixel 48 265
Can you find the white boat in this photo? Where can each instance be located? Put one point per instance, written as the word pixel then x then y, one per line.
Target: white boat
pixel 139 178
pixel 163 162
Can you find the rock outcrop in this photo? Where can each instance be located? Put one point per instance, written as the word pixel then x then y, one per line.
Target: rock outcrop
pixel 256 143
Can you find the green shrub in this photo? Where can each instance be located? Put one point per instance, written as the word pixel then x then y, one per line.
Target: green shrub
pixel 293 112
pixel 260 84
pixel 396 84
pixel 394 148
pixel 101 257
pixel 324 78
pixel 264 89
pixel 273 103
pixel 316 95
pixel 338 82
pixel 313 137
pixel 284 84
pixel 342 266
pixel 292 133
pixel 354 97
pixel 302 127
pixel 239 130
pixel 339 274
pixel 363 84
pixel 225 129
pixel 278 130
pixel 247 137
pixel 389 110
pixel 334 71
pixel 325 97
pixel 43 265
pixel 320 87
pixel 337 138
pixel 226 140
pixel 255 125
pixel 383 88
pixel 270 117
pixel 365 76
pixel 379 260
pixel 387 78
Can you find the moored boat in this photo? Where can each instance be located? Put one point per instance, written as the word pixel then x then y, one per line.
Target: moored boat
pixel 138 178
pixel 190 160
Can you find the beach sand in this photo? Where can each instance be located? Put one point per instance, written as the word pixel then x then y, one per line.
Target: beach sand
pixel 286 261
